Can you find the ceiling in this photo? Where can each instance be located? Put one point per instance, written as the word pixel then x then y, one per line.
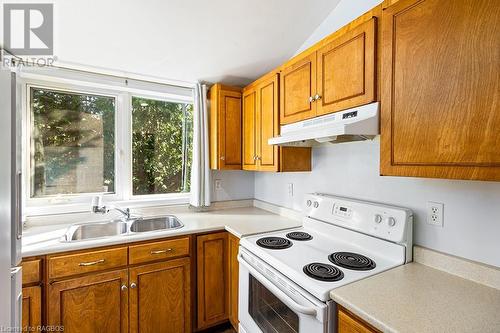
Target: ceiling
pixel 230 41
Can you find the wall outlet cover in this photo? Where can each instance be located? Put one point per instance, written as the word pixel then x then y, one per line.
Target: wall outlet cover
pixel 435 215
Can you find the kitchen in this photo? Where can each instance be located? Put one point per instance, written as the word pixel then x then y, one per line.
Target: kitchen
pixel 344 179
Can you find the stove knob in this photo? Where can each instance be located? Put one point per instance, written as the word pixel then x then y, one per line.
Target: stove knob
pixel 316 204
pixel 378 218
pixel 391 221
pixel 308 203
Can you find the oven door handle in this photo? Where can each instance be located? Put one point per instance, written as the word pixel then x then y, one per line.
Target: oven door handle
pixel 276 291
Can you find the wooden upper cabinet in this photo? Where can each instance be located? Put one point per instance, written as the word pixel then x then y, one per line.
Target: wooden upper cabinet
pixel 297 87
pixel 249 128
pixel 212 276
pixel 267 123
pixel 225 127
pixel 261 122
pixel 346 70
pixel 97 303
pixel 160 298
pixel 440 89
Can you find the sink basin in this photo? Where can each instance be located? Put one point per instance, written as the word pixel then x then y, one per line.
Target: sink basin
pixel 85 231
pixel 155 224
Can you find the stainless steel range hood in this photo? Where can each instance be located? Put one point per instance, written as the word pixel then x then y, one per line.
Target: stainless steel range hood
pixel 356 124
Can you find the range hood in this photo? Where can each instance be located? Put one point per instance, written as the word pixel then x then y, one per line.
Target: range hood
pixel 356 124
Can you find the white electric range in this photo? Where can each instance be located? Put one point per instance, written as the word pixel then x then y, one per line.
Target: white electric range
pixel 286 276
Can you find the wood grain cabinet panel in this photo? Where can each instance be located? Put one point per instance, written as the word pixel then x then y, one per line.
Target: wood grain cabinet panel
pixel 225 127
pixel 348 323
pixel 160 298
pixel 212 277
pixel 262 124
pixel 60 266
pixel 97 303
pixel 32 309
pixel 233 244
pixel 440 89
pixel 298 85
pixel 32 271
pixel 346 70
pixel 154 251
pixel 249 128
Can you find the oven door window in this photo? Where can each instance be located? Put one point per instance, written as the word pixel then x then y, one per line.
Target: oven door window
pixel 268 312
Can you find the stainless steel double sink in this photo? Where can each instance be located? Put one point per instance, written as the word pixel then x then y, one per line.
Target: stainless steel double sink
pixel 93 230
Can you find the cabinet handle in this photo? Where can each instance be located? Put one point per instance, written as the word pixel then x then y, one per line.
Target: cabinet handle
pixel 317 97
pixel 259 158
pixel 311 99
pixel 91 263
pixel 160 251
pixel 124 287
pixel 222 158
pixel 133 285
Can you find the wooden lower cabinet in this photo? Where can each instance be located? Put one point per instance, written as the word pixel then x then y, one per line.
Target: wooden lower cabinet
pixel 233 245
pixel 32 309
pixel 159 297
pixel 212 278
pixel 96 303
pixel 349 323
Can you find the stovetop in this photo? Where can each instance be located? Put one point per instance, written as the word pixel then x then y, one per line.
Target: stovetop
pixel 327 255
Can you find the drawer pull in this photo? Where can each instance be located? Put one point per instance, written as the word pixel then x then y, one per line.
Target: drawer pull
pixel 160 251
pixel 91 263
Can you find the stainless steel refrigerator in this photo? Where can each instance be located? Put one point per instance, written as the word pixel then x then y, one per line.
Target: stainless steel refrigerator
pixel 10 203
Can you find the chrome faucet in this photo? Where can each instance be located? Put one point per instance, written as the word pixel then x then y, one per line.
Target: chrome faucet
pixel 99 208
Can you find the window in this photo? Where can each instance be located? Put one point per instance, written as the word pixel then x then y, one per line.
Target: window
pixel 162 139
pixel 127 143
pixel 72 143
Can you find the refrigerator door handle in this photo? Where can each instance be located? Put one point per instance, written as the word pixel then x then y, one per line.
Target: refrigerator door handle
pixel 19 217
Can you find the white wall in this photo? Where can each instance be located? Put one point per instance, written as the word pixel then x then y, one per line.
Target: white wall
pixel 471 209
pixel 235 185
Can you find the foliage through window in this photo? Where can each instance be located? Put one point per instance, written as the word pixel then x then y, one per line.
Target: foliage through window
pixel 72 143
pixel 162 136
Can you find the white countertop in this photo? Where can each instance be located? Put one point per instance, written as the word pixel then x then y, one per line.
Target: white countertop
pixel 418 298
pixel 44 239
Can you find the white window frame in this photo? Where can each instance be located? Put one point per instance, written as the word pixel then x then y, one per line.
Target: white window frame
pixel 123 194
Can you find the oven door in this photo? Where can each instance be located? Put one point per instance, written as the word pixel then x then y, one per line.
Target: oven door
pixel 266 308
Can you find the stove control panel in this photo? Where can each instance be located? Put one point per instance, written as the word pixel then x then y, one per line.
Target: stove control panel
pixel 380 220
pixel 342 210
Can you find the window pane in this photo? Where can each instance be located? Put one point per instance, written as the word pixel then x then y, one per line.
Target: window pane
pixel 72 143
pixel 161 146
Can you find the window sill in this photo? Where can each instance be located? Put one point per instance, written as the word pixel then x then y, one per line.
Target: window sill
pixel 138 202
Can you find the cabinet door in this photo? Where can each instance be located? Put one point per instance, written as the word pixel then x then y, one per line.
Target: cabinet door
pixel 348 323
pixel 249 129
pixel 32 309
pixel 230 130
pixel 234 243
pixel 91 304
pixel 297 87
pixel 440 114
pixel 212 275
pixel 346 70
pixel 268 124
pixel 160 297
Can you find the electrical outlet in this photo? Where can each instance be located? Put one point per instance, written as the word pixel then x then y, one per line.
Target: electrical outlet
pixel 290 189
pixel 218 184
pixel 435 213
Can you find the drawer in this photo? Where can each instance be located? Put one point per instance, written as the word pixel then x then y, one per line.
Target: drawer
pixel 32 271
pixel 86 262
pixel 172 248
